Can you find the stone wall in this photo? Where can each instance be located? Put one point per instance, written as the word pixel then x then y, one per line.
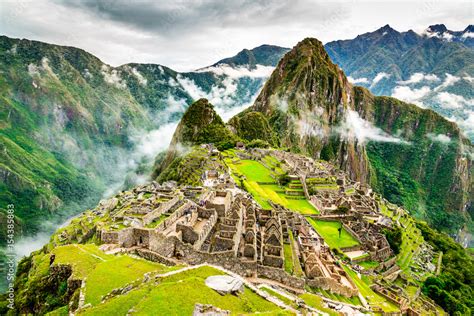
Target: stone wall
pixel 152 256
pixel 162 208
pixel 281 276
pixel 333 286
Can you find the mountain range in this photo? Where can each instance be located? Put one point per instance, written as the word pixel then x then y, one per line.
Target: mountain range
pixel 434 69
pixel 75 129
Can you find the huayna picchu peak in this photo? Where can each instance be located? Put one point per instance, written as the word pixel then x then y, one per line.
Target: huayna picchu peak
pixel 218 158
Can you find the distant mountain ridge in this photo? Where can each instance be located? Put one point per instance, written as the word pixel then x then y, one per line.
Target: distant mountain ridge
pixel 73 127
pixel 434 69
pixel 266 55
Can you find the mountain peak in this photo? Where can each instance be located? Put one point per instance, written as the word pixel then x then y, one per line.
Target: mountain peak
pixel 266 55
pixel 200 124
pixel 438 28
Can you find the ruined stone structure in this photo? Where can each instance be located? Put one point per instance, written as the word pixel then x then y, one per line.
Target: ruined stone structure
pixel 220 224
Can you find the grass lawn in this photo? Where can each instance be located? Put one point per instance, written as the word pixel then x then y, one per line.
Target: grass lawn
pixel 297 270
pixel 341 298
pixel 177 295
pixel 368 264
pixel 255 171
pixel 104 272
pixel 282 298
pixel 315 301
pixel 329 231
pixel 288 258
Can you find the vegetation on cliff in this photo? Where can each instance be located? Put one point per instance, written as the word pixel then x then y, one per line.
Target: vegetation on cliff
pixel 453 288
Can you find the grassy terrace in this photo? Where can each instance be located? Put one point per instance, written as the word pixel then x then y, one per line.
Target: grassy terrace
pixel 372 298
pixel 329 231
pixel 261 183
pixel 104 272
pixel 161 298
pixel 411 238
pixel 316 302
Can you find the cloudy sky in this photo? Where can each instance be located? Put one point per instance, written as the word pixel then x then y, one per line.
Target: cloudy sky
pixel 186 35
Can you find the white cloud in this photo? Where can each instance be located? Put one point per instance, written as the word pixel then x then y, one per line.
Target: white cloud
pixel 364 131
pixel 35 70
pixel 447 36
pixel 153 142
pixel 357 80
pixel 141 80
pixel 86 74
pixel 112 77
pixel 238 72
pixel 409 95
pixel 468 78
pixel 419 77
pixel 453 101
pixel 448 81
pixel 441 138
pixel 223 94
pixel 380 76
pixel 468 35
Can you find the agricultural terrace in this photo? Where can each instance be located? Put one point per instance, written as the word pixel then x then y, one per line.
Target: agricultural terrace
pixel 329 231
pixel 103 272
pixel 411 238
pixel 363 284
pixel 261 182
pixel 176 295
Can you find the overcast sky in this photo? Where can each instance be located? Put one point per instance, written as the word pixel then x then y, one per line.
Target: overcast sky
pixel 186 35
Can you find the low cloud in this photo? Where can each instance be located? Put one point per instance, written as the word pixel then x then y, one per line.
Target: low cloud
pixel 141 80
pixel 453 101
pixel 112 77
pixel 440 138
pixel 239 72
pixel 448 81
pixel 357 80
pixel 380 76
pixel 356 127
pixel 419 77
pixel 410 95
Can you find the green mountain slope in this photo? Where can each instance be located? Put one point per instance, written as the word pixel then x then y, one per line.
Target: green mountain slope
pixel 71 124
pixel 433 69
pixel 411 155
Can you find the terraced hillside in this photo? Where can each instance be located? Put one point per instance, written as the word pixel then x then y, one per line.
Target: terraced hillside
pixel 263 180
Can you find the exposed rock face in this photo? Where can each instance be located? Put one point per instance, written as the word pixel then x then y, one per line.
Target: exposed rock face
pixel 413 156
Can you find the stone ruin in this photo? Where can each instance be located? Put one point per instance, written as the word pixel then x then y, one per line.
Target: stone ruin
pixel 223 225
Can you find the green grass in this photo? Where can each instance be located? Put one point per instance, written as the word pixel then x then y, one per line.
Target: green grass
pixel 297 270
pixel 341 298
pixel 329 231
pixel 254 173
pixel 315 301
pixel 288 258
pixel 372 298
pixel 104 272
pixel 177 295
pixel 368 264
pixel 282 298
